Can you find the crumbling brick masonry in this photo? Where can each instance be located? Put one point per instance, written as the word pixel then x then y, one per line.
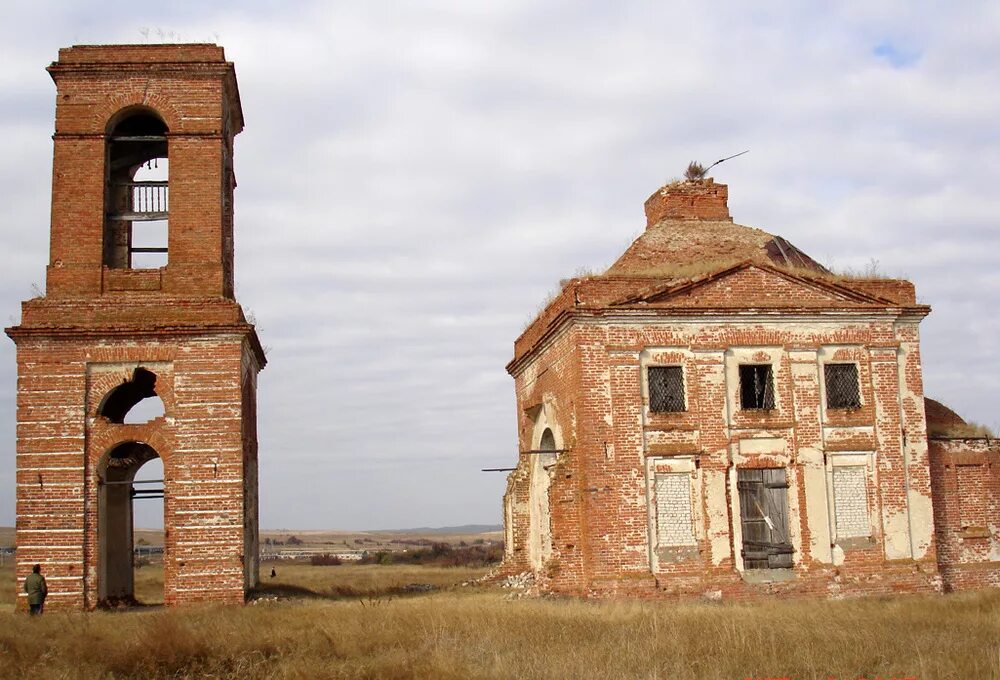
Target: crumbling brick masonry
pixel 139 304
pixel 718 415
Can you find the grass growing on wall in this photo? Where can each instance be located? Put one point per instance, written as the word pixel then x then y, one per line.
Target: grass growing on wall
pixel 473 632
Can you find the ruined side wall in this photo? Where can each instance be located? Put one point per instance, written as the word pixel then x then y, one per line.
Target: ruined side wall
pixel 545 390
pixel 965 478
pixel 251 527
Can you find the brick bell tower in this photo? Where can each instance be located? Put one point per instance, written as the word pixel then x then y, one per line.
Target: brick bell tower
pixel 139 308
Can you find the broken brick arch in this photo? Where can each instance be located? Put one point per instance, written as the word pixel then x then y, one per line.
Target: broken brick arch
pixel 117 450
pixel 121 400
pixel 117 394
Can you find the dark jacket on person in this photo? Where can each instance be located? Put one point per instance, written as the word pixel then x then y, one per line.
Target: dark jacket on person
pixel 36 588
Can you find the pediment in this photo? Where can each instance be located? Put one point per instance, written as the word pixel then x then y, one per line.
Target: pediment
pixel 752 285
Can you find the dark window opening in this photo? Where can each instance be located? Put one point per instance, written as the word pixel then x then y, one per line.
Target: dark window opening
pixel 666 389
pixel 764 518
pixel 756 387
pixel 842 386
pixel 120 400
pixel 136 204
pixel 547 443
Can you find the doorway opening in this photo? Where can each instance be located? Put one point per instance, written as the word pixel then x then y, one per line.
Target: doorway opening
pixel 764 518
pixel 539 516
pixel 123 551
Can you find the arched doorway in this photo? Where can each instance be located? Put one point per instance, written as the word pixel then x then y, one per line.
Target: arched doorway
pixel 540 525
pixel 118 489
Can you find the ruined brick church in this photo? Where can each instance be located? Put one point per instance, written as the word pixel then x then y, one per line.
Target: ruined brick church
pixel 139 305
pixel 717 415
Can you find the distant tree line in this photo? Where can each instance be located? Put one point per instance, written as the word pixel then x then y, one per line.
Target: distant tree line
pixel 442 555
pixel 480 554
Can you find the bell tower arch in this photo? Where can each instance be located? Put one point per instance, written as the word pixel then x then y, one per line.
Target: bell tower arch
pixel 139 304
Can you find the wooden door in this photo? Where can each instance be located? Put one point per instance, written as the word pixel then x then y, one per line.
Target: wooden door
pixel 764 517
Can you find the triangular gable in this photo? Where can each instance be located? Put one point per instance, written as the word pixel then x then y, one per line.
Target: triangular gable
pixel 755 285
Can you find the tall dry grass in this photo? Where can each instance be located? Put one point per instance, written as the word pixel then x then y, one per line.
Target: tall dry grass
pixel 7 583
pixel 474 632
pixel 363 581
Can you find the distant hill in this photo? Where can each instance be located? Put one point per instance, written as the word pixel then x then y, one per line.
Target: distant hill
pixel 462 529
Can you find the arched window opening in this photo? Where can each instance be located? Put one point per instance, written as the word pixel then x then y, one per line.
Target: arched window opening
pixel 129 538
pixel 122 400
pixel 136 204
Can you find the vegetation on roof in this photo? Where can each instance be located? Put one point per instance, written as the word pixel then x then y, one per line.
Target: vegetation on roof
pixel 968 430
pixel 695 171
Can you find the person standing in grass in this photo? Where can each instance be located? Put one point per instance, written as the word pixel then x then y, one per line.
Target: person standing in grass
pixel 37 590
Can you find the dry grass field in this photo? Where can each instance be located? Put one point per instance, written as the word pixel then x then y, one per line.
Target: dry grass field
pixel 352 622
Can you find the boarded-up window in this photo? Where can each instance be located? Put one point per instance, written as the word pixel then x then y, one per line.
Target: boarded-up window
pixel 842 389
pixel 972 492
pixel 666 389
pixel 850 501
pixel 764 518
pixel 674 524
pixel 756 387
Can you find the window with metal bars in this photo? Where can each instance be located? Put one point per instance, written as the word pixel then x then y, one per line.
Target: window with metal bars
pixel 666 389
pixel 756 387
pixel 842 388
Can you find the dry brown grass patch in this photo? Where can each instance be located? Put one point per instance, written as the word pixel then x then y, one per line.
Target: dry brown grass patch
pixel 475 633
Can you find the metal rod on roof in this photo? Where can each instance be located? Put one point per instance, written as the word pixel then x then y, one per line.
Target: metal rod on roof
pixel 497 469
pixel 705 171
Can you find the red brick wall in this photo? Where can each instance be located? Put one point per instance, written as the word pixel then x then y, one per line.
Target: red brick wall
pixel 193 89
pixel 965 478
pixel 701 200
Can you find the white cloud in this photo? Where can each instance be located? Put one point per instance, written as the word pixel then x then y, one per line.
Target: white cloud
pixel 414 177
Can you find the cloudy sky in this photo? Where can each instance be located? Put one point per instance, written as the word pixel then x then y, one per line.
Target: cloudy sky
pixel 414 178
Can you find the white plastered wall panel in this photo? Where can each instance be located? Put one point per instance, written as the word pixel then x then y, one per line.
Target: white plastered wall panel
pixel 805 370
pixel 915 451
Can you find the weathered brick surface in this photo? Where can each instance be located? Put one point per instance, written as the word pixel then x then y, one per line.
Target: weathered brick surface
pixel 97 324
pixel 580 368
pixel 965 476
